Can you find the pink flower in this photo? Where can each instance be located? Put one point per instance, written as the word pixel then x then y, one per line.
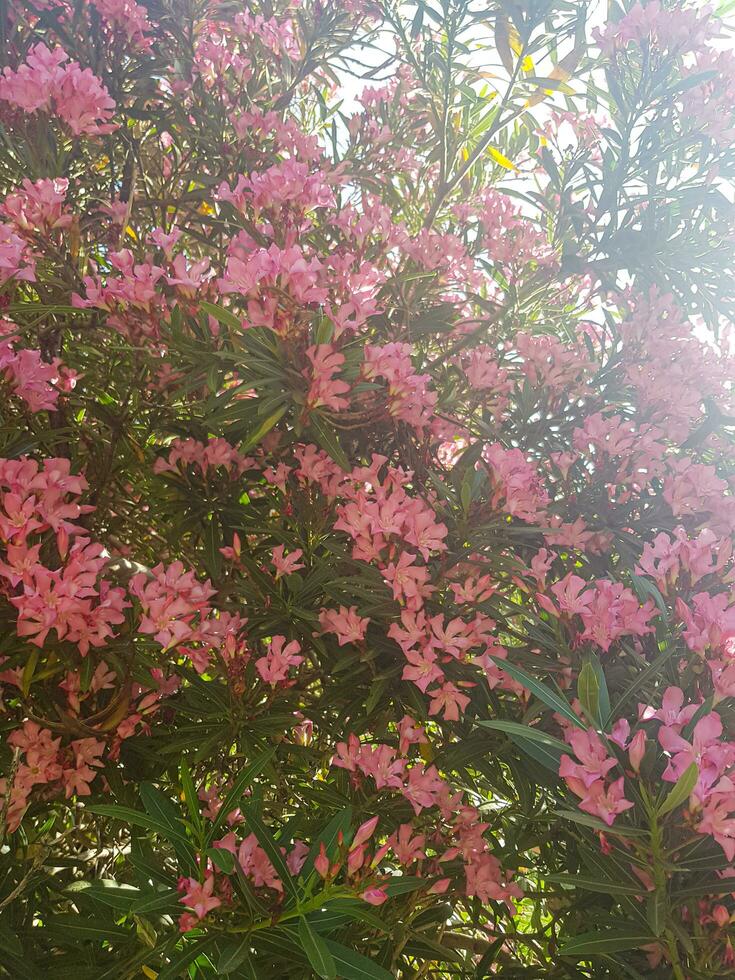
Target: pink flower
pixel 449 700
pixel 286 564
pixel 406 847
pixel 422 669
pixel 275 665
pixel 570 594
pixel 710 624
pixel 45 82
pixel 345 623
pixel 198 896
pixel 409 581
pixel 594 761
pixel 606 803
pixel 16 259
pixel 711 755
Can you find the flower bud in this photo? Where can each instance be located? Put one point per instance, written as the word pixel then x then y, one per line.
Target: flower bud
pixel 637 749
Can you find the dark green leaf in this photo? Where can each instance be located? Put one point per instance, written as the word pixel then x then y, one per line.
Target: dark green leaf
pixel 317 951
pixel 542 692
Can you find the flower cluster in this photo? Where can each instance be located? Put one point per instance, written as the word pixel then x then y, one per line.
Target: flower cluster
pixel 367 490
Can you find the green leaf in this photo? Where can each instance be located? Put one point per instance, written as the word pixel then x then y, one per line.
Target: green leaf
pixel 234 955
pixel 699 78
pixel 225 317
pixel 595 885
pixel 587 820
pixel 544 748
pixel 263 429
pixel 324 330
pixel 588 691
pixel 161 808
pixel 129 816
pixel 317 951
pixel 108 892
pixel 190 793
pixel 681 791
pixel 649 590
pixel 157 902
pixel 192 949
pixel 606 941
pixel 656 909
pixel 429 950
pixel 718 887
pixel 223 859
pixel 272 850
pixel 402 884
pixel 9 942
pixel 541 691
pixel 241 783
pixel 326 435
pixel 340 822
pixel 354 966
pixel 73 928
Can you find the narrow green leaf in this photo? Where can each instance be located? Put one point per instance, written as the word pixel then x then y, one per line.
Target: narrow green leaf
pixel 340 822
pixel 326 436
pixel 588 691
pixel 223 859
pixel 354 966
pixel 656 908
pixel 225 317
pixel 541 691
pixel 263 429
pixel 402 884
pixel 108 892
pixel 127 815
pixel 73 927
pixel 234 955
pixel 587 820
pixel 9 942
pixel 190 793
pixel 317 951
pixel 174 970
pixel 606 941
pixel 595 885
pixel 516 731
pixel 241 783
pixel 272 850
pixel 681 791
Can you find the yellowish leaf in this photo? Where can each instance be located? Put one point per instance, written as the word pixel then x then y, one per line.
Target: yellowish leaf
pixel 560 73
pixel 498 157
pixel 516 44
pixel 502 43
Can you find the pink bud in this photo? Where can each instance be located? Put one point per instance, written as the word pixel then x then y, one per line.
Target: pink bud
pixel 380 854
pixel 236 546
pixel 62 542
pixel 374 896
pixel 321 862
pixel 439 887
pixel 355 859
pixel 637 749
pixel 721 915
pixel 365 831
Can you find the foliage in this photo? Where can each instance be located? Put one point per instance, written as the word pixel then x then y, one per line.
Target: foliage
pixel 367 490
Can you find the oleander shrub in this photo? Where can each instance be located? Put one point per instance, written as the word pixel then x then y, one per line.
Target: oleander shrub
pixel 367 489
